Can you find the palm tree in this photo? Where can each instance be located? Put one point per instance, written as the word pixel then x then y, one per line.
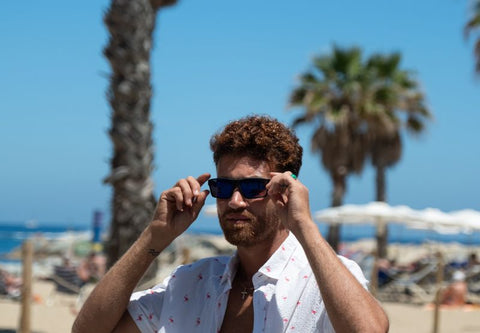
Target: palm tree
pixel 131 24
pixel 332 96
pixel 474 25
pixel 397 103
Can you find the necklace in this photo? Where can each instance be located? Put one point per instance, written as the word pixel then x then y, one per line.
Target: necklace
pixel 247 289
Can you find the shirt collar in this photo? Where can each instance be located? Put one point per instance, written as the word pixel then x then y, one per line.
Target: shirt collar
pixel 230 270
pixel 272 268
pixel 280 258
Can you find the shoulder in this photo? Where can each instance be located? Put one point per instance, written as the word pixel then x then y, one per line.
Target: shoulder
pixel 210 264
pixel 200 271
pixel 183 279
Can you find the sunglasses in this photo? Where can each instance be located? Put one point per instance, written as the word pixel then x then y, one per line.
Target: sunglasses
pixel 250 188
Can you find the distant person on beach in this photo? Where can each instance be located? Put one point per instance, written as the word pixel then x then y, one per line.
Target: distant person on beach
pixel 472 260
pixel 10 285
pixel 455 294
pixel 92 268
pixel 283 277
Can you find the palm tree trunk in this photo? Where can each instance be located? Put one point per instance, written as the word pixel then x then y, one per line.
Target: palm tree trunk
pixel 131 24
pixel 339 185
pixel 382 228
pixel 380 183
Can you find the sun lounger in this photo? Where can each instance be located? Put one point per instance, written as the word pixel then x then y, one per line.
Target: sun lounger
pixel 66 282
pixel 416 287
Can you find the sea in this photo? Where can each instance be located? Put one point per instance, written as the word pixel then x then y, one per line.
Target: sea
pixel 13 234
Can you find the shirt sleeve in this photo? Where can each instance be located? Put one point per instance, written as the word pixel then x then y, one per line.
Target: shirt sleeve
pixel 356 271
pixel 324 325
pixel 145 307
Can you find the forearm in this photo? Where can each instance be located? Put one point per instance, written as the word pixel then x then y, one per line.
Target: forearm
pixel 350 307
pixel 109 300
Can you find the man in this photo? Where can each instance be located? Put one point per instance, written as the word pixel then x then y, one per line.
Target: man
pixel 283 277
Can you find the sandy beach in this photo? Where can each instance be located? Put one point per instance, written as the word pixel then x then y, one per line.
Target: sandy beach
pixel 58 317
pixel 54 312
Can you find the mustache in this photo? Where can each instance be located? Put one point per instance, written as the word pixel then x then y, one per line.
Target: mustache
pixel 241 211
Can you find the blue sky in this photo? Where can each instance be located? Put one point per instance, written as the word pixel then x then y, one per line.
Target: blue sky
pixel 214 61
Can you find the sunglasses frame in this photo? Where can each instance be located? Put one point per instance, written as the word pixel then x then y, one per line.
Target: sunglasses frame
pixel 237 185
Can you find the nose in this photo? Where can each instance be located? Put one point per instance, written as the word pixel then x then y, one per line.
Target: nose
pixel 236 200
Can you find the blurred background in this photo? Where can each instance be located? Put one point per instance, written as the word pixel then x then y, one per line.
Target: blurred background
pixel 214 61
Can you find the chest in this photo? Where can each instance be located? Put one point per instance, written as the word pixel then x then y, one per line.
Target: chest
pixel 285 305
pixel 239 314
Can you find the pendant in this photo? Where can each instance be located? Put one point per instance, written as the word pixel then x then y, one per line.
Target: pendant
pixel 244 294
pixel 246 291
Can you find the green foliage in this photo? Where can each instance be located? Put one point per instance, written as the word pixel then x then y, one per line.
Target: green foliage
pixel 355 104
pixel 473 26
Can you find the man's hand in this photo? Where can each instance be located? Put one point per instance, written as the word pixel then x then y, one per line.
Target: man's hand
pixel 292 200
pixel 177 208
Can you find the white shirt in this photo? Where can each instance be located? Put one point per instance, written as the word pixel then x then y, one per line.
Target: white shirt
pixel 194 298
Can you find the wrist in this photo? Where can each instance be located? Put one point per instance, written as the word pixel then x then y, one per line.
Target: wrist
pixel 305 230
pixel 153 242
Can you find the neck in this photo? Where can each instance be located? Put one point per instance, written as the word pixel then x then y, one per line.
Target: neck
pixel 255 256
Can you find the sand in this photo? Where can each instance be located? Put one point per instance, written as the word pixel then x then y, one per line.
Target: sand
pixel 53 312
pixel 50 312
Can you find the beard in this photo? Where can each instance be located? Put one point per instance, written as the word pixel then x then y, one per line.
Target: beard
pixel 257 229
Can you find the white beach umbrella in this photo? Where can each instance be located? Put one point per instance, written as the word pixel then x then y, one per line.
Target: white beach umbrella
pixel 466 218
pixel 381 212
pixel 374 212
pixel 433 219
pixel 462 221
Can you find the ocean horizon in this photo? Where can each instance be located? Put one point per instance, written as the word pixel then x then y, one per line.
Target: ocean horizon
pixel 13 234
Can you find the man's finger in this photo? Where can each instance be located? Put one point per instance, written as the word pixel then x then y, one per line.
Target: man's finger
pixel 200 201
pixel 187 191
pixel 175 195
pixel 203 178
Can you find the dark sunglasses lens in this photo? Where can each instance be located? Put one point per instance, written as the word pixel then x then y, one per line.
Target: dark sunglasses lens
pixel 221 188
pixel 253 188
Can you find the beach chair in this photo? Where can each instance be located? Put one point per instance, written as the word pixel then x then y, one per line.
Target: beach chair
pixel 473 279
pixel 66 282
pixel 416 287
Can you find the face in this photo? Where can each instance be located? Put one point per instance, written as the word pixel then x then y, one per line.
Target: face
pixel 246 222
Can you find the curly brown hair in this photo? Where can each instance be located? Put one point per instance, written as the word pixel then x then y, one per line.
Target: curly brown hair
pixel 261 137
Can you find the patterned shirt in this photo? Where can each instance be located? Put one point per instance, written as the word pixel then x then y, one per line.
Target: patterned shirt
pixel 194 298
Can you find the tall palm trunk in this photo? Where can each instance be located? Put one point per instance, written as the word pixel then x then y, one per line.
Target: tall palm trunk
pixel 131 24
pixel 339 187
pixel 382 228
